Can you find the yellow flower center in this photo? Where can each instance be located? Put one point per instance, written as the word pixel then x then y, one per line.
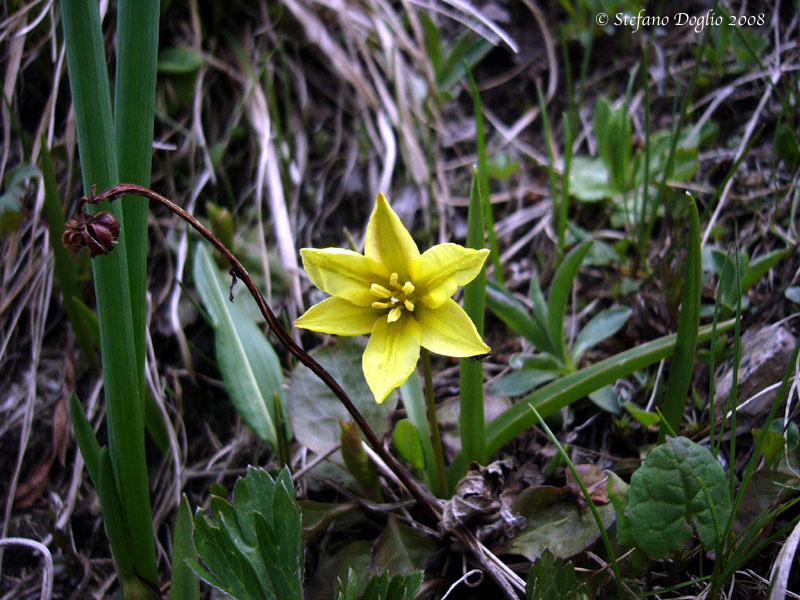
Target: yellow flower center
pixel 395 297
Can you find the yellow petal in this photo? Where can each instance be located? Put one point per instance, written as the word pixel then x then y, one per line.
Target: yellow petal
pixel 343 273
pixel 388 241
pixel 391 355
pixel 441 269
pixel 448 330
pixel 338 317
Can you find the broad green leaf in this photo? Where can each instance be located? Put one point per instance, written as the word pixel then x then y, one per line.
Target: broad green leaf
pixel 179 60
pixel 759 267
pixel 10 202
pixel 315 412
pixel 667 505
pixel 606 398
pixel 414 402
pixel 618 495
pixel 559 296
pixel 249 365
pixel 602 326
pixel 793 294
pixel 554 523
pixel 401 549
pixel 589 180
pixel 787 146
pixel 183 582
pixel 513 313
pixel 523 381
pixel 408 444
pixel 648 419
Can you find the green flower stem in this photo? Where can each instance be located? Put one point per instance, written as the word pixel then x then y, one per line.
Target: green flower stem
pixel 438 453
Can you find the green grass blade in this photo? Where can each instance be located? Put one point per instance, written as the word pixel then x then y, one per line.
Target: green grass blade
pixel 559 296
pixel 114 518
pixel 64 263
pixel 473 438
pixel 125 413
pixel 184 584
pixel 686 343
pixel 84 435
pixel 134 108
pixel 483 177
pixel 570 388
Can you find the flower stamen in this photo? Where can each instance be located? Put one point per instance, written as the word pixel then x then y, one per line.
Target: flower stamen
pixel 379 291
pixel 394 314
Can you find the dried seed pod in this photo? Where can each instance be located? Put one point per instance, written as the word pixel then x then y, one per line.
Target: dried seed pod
pixel 98 232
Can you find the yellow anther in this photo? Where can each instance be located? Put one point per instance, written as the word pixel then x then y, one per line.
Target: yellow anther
pixel 394 314
pixel 409 305
pixel 380 305
pixel 378 290
pixel 408 288
pixel 393 279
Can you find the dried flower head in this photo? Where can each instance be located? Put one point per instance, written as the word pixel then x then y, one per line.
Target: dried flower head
pixel 98 232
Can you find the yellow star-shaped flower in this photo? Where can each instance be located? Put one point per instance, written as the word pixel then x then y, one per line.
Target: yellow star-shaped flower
pixel 399 296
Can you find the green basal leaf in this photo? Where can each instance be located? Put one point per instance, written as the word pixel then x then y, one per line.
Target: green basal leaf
pixel 648 419
pixel 602 326
pixel 559 296
pixel 249 365
pixel 408 444
pixel 179 61
pixel 315 412
pixel 666 503
pixel 513 313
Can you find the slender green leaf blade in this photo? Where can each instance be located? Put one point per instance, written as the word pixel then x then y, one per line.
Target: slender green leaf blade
pixel 248 363
pixel 602 326
pixel 471 417
pixel 559 296
pixel 686 343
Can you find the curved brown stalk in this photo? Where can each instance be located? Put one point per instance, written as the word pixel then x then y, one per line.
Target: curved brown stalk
pixel 499 572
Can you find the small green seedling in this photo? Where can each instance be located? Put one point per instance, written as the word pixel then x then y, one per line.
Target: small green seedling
pixel 544 328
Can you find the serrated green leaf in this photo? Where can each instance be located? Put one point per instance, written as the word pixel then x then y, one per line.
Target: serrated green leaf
pixel 230 571
pixel 183 582
pixel 249 365
pixel 552 579
pixel 667 505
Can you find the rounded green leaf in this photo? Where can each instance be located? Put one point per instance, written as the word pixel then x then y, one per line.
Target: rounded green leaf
pixel 408 443
pixel 667 504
